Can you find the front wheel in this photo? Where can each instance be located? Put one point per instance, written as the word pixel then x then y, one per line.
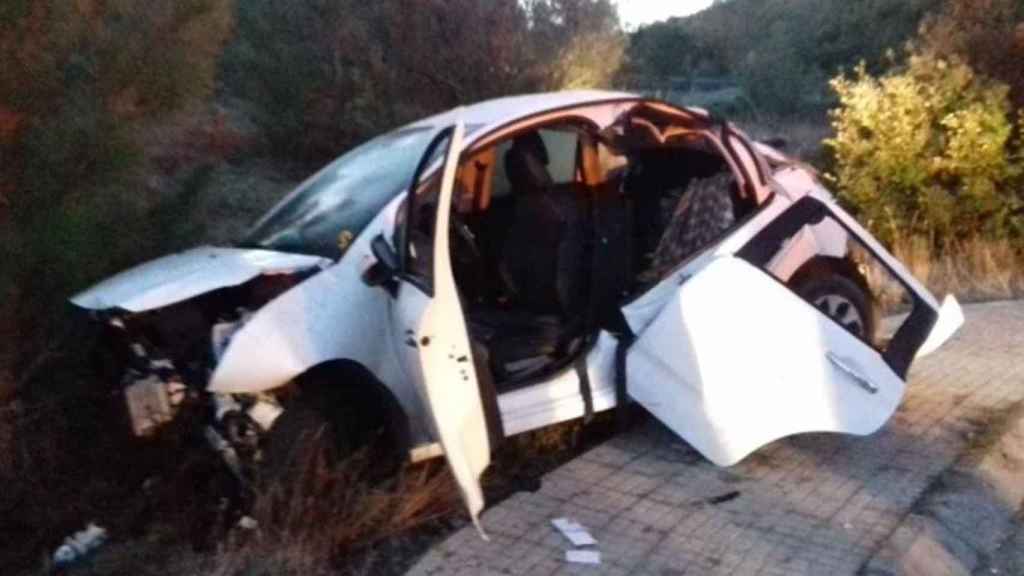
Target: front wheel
pixel 332 425
pixel 842 299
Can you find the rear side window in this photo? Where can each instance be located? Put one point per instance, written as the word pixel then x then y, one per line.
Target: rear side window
pixel 562 146
pixel 563 151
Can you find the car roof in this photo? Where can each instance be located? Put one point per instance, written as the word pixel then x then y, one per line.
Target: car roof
pixel 512 108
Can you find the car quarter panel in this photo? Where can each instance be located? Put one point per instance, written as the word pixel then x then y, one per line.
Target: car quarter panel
pixel 332 315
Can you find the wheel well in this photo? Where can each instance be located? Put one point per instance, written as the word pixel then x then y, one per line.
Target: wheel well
pixel 339 381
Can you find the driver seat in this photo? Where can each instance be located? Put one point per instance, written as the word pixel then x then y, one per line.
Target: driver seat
pixel 541 266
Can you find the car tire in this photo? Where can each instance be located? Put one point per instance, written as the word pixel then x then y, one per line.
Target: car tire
pixel 845 300
pixel 332 425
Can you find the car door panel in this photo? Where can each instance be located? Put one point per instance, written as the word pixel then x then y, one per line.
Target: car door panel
pixel 433 345
pixel 735 360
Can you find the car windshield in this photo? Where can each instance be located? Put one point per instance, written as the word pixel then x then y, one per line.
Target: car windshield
pixel 330 209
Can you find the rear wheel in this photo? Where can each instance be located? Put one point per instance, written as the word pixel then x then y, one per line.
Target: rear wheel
pixel 841 298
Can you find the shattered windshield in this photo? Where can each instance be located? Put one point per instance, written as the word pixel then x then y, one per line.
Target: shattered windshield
pixel 330 209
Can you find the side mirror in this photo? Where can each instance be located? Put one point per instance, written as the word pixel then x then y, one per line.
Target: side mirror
pixel 384 272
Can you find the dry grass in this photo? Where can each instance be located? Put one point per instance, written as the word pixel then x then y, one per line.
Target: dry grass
pixel 973 270
pixel 341 520
pixel 55 474
pixel 346 519
pixel 326 519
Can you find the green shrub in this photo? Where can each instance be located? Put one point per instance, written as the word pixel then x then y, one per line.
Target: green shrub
pixel 926 150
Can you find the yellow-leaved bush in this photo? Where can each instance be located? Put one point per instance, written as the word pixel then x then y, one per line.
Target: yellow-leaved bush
pixel 927 150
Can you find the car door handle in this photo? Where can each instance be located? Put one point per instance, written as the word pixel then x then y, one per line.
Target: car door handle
pixel 859 379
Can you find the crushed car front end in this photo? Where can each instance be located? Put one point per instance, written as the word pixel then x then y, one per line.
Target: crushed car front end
pixel 164 327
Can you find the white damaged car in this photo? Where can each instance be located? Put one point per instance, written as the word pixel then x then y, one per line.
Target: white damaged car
pixel 522 262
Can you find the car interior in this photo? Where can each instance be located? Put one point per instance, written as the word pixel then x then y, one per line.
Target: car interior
pixel 553 228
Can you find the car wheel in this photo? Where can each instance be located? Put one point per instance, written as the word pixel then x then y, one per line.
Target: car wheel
pixel 329 426
pixel 303 432
pixel 842 299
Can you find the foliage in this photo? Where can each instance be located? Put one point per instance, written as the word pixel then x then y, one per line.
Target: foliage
pixel 988 34
pixel 925 150
pixel 80 83
pixel 321 75
pixel 573 44
pixel 665 49
pixel 83 75
pixel 587 61
pixel 781 50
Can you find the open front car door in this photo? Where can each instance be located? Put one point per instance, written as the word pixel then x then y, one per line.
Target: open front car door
pixel 427 324
pixel 736 359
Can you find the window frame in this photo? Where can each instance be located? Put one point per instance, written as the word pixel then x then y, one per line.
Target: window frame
pixel 808 211
pixel 425 168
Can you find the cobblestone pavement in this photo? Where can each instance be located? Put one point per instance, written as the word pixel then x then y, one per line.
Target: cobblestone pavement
pixel 811 504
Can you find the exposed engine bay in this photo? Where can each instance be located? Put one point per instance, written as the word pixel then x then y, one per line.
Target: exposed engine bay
pixel 162 360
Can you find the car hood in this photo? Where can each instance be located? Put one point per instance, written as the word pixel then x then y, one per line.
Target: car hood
pixel 184 275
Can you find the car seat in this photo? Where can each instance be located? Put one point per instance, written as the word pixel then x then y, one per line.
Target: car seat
pixel 541 265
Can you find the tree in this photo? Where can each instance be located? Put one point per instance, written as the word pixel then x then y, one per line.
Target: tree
pixel 79 84
pixel 988 34
pixel 574 43
pixel 81 77
pixel 664 49
pixel 321 75
pixel 781 51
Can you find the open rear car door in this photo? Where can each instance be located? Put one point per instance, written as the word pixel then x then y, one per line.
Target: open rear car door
pixel 428 326
pixel 736 359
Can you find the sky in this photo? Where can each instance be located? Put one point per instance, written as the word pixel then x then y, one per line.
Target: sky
pixel 638 12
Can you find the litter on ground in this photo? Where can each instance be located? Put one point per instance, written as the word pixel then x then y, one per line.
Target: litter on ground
pixel 574 531
pixel 583 556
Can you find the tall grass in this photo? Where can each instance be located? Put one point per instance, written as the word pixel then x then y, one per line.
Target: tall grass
pixel 974 269
pixel 322 518
pixel 326 519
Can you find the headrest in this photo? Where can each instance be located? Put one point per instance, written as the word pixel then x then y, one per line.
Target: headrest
pixel 526 163
pixel 531 143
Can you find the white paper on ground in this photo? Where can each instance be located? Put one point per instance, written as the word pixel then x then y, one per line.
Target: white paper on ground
pixel 574 531
pixel 583 556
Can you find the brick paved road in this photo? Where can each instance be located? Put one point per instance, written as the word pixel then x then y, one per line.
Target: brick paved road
pixel 813 504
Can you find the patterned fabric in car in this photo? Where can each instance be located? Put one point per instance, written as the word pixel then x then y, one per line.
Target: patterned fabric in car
pixel 700 216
